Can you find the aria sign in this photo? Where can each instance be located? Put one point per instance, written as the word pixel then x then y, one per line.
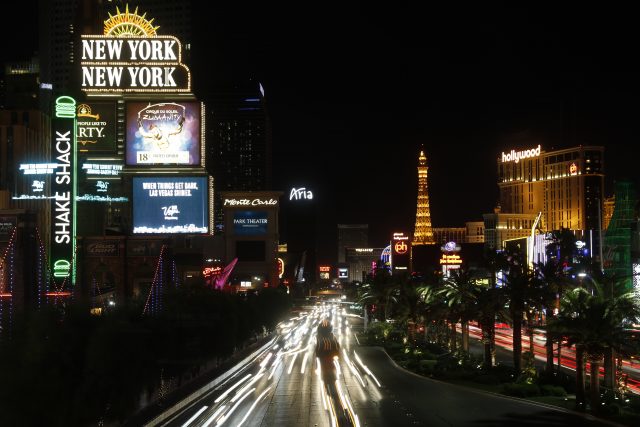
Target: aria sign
pixel 63 233
pixel 300 194
pixel 516 156
pixel 130 57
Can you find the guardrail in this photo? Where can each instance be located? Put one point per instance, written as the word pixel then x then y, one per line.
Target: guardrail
pixel 169 412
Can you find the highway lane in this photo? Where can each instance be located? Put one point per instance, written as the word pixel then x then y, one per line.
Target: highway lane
pixel 287 386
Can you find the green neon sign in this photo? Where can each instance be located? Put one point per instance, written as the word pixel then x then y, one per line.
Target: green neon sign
pixel 64 191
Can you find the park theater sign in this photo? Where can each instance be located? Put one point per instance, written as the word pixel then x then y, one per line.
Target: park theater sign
pixel 131 57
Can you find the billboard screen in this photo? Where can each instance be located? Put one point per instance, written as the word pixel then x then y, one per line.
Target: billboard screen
pixel 96 128
pixel 249 223
pixel 169 205
pixel 163 134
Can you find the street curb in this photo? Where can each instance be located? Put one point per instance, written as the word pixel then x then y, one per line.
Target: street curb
pixel 516 399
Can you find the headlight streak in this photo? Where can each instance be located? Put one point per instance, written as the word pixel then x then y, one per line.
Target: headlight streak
pixel 322 392
pixel 249 384
pixel 304 363
pixel 223 395
pixel 274 369
pixel 253 406
pixel 214 416
pixel 234 407
pixel 266 360
pixel 292 362
pixel 196 415
pixel 366 369
pixel 352 368
pixel 337 365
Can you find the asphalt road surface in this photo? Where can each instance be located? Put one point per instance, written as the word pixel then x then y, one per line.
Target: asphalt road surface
pixel 288 386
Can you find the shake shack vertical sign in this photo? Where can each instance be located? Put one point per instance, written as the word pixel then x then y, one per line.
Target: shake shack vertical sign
pixel 62 211
pixel 133 64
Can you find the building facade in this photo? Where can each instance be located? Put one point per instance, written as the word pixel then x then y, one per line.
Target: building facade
pixel 499 227
pixel 351 236
pixel 251 236
pixel 239 135
pixel 566 185
pixel 361 262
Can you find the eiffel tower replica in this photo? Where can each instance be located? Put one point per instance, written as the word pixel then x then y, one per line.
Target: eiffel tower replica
pixel 423 234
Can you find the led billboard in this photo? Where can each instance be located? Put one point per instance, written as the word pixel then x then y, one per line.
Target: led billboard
pixel 96 127
pixel 163 134
pixel 250 223
pixel 170 205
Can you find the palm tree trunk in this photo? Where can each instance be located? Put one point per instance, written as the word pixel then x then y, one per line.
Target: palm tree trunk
pixel 531 345
pixel 549 348
pixel 580 397
pixel 517 341
pixel 595 385
pixel 487 334
pixel 559 353
pixel 453 337
pixel 465 336
pixel 609 369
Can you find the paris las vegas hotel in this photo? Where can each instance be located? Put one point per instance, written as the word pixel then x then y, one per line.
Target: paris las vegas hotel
pixel 566 186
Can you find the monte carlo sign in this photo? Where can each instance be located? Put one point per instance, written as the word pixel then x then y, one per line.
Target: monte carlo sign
pixel 131 57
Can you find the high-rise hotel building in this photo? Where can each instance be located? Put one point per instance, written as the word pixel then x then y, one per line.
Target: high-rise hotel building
pixel 566 185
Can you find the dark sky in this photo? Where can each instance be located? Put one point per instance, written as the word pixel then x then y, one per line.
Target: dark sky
pixel 354 90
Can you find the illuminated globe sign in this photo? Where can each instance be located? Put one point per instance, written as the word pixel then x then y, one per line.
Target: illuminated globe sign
pixel 450 247
pixel 130 57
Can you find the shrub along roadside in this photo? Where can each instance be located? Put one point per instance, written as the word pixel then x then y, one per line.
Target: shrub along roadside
pixel 436 362
pixel 70 368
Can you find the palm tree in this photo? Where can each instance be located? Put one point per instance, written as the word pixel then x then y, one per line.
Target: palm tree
pixel 594 322
pixel 381 291
pixel 553 284
pixel 520 285
pixel 435 312
pixel 461 293
pixel 491 303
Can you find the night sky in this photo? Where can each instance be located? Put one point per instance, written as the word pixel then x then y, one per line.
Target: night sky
pixel 354 91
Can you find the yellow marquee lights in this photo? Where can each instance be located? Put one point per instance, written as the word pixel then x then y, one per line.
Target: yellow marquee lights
pixel 129 24
pixel 450 259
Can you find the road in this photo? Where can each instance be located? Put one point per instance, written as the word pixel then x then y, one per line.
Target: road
pixel 287 386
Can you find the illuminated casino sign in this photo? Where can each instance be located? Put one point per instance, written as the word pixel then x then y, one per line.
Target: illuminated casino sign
pixel 63 189
pixel 96 129
pixel 400 247
pixel 325 272
pixel 166 133
pixel 451 247
pixel 280 267
pixel 250 202
pixel 131 57
pixel 170 205
pixel 516 156
pixel 300 194
pixel 573 169
pixel 400 257
pixel 249 223
pixel 450 259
